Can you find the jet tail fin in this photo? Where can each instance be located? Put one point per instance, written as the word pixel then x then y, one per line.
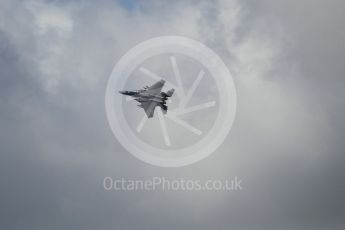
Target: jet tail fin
pixel 170 93
pixel 164 108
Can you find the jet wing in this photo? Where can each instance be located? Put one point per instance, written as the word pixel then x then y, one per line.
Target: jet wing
pixel 155 88
pixel 149 107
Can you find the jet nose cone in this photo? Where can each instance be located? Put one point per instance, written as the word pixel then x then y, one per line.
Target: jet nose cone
pixel 128 93
pixel 125 92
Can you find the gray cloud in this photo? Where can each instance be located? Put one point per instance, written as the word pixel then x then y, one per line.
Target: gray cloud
pixel 286 143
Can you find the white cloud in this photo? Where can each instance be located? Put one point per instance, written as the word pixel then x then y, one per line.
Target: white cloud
pixel 51 17
pixel 72 47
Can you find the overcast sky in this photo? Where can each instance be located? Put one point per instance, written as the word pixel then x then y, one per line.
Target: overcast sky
pixel 286 144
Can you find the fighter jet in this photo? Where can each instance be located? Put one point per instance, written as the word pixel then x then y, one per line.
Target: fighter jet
pixel 151 96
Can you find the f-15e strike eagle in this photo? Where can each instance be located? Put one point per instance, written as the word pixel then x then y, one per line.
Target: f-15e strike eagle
pixel 150 97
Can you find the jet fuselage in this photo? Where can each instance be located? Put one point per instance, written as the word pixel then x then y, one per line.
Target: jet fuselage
pixel 150 97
